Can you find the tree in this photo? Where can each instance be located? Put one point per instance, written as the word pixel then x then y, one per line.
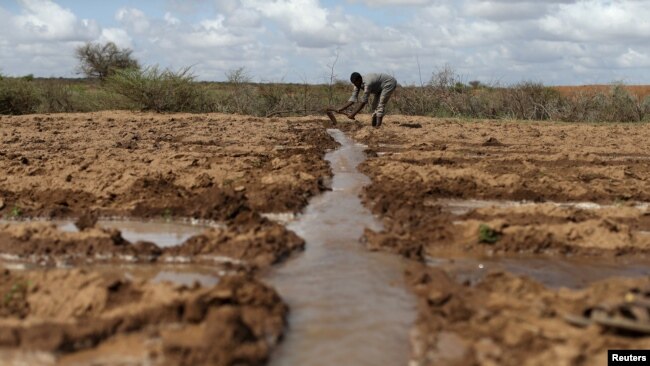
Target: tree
pixel 238 76
pixel 101 60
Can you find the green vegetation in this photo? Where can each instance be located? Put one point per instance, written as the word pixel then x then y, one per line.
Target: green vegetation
pixel 167 214
pixel 444 95
pixel 18 96
pixel 487 235
pixel 153 89
pixel 15 212
pixel 98 60
pixel 17 291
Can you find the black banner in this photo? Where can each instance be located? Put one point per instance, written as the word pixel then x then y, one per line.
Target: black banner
pixel 628 357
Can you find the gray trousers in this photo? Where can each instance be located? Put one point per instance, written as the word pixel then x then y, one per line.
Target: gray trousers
pixel 379 100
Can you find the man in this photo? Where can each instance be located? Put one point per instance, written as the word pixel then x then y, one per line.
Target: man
pixel 381 86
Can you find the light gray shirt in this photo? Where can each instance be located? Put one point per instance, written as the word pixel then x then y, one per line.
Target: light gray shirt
pixel 372 84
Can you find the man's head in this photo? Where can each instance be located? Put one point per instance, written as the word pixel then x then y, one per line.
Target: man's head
pixel 356 79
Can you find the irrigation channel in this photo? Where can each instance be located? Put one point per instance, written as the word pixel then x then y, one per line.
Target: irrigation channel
pixel 348 306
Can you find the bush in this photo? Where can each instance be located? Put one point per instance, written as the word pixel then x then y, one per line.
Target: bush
pixel 159 90
pixel 18 96
pixel 625 107
pixel 101 60
pixel 56 98
pixel 533 101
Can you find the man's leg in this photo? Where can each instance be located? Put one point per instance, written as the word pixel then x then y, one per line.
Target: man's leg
pixel 374 106
pixel 386 92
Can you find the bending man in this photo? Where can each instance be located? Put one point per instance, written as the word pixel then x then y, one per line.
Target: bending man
pixel 381 86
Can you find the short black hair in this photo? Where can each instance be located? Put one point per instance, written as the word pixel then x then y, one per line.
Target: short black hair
pixel 355 76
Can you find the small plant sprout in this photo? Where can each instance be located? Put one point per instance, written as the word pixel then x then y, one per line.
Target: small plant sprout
pixel 167 214
pixel 15 212
pixel 18 289
pixel 487 235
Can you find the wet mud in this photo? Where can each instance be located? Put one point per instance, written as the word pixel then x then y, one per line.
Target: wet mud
pixel 249 241
pixel 415 173
pixel 89 291
pixel 511 229
pixel 517 227
pixel 506 319
pixel 84 317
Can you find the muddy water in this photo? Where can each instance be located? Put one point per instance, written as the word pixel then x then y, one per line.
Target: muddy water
pixel 162 233
pixel 348 306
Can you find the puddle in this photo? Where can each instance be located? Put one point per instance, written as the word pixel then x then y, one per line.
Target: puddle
pixel 461 207
pixel 162 233
pixel 182 275
pixel 552 272
pixel 348 306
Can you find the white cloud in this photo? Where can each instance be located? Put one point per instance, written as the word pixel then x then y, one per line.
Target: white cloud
pixel 170 19
pixel 599 21
pixel 393 2
pixel 134 19
pixel 41 38
pixel 503 11
pixel 44 20
pixel 118 36
pixel 633 58
pixel 299 17
pixel 556 41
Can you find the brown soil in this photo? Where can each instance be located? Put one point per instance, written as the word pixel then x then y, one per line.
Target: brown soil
pixel 418 229
pixel 224 168
pixel 141 164
pixel 511 320
pixel 249 240
pixel 532 161
pixel 418 166
pixel 83 316
pixel 412 168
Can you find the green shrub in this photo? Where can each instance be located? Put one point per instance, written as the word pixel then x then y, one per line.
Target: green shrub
pixel 533 101
pixel 487 235
pixel 154 89
pixel 624 107
pixel 56 97
pixel 18 96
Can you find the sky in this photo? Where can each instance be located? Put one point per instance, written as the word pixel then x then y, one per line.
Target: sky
pixel 556 42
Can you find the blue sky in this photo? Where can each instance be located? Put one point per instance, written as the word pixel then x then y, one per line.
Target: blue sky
pixel 557 42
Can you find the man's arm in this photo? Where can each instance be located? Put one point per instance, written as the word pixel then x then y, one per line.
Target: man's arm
pixel 357 110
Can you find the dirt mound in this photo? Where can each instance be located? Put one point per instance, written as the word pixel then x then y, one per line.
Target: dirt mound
pixel 416 226
pixel 44 242
pixel 510 320
pixel 255 240
pixel 412 170
pixel 82 315
pixel 248 238
pixel 512 160
pixel 142 164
